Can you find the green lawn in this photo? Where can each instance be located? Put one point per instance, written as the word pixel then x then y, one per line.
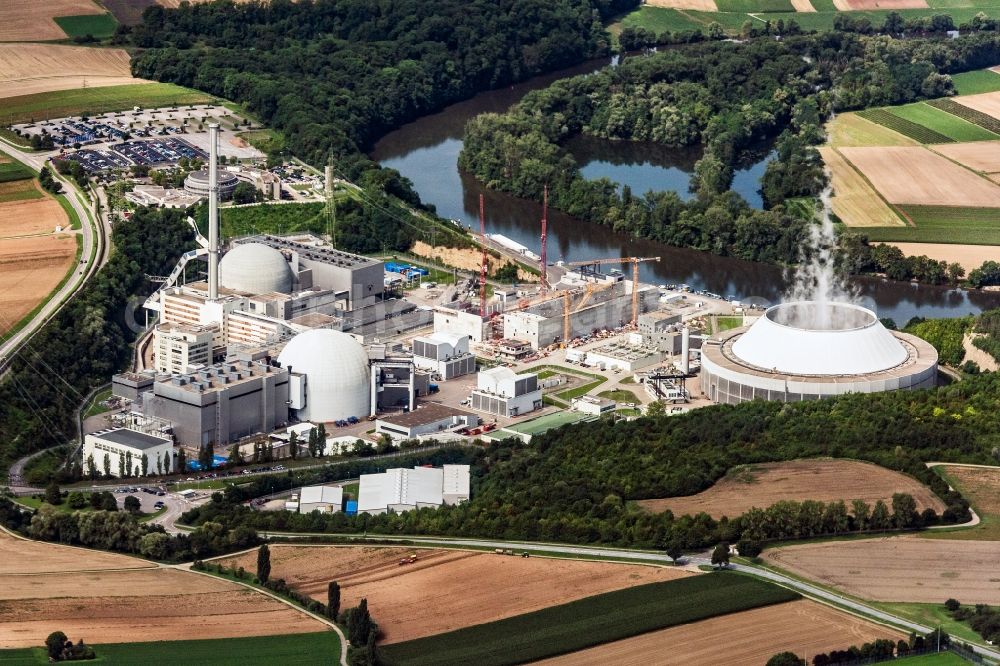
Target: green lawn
pixel 931 615
pixel 351 490
pixel 28 108
pixel 938 659
pixel 590 621
pixel 943 224
pixel 619 396
pixel 547 422
pixel 943 122
pixel 727 323
pixel 754 6
pixel 95 406
pixel 95 25
pixel 317 648
pixel 33 503
pixel 979 81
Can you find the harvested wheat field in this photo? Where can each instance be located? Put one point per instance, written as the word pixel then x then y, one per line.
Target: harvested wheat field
pixel 967 256
pixel 981 156
pixel 31 20
pixel 905 568
pixel 979 485
pixel 856 5
pixel 751 638
pixel 445 589
pixel 854 201
pixel 824 480
pixel 803 6
pixel 30 217
pixel 988 103
pixel 26 69
pixel 159 604
pixel 850 129
pixel 22 556
pixel 918 176
pixel 697 5
pixel 30 268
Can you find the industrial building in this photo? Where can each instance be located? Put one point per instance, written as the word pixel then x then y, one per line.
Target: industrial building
pixel 198 184
pixel 445 354
pixel 325 499
pixel 502 392
pixel 428 419
pixel 395 382
pixel 400 489
pixel 808 350
pixel 177 348
pixel 329 376
pixel 593 405
pixel 124 449
pixel 622 356
pixel 221 403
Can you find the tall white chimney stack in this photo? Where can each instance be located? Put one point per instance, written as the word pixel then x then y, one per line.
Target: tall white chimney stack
pixel 685 350
pixel 213 212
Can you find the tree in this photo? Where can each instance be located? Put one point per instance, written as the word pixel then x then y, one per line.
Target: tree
pixel 108 502
pixel 145 464
pixel 235 456
pixel 749 547
pixel 77 500
pixel 655 408
pixel 674 550
pixel 785 659
pixel 52 494
pixel 881 520
pixel 245 193
pixel 91 467
pixel 293 445
pixel 107 465
pixel 132 504
pixel 55 644
pixel 263 563
pixel 181 461
pixel 720 556
pixel 321 439
pixel 904 510
pixel 206 456
pixel 359 624
pixel 121 466
pixel 952 605
pixel 333 600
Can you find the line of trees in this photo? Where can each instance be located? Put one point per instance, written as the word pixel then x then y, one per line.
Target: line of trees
pixel 877 651
pixel 984 619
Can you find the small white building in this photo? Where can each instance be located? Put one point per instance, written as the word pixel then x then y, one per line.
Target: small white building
pixel 401 489
pixel 425 420
pixel 593 405
pixel 325 499
pixel 446 354
pixel 127 446
pixel 502 392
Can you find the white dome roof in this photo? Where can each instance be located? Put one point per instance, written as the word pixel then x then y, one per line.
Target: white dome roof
pixel 337 374
pixel 810 338
pixel 255 268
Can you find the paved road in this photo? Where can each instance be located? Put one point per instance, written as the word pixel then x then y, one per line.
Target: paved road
pixel 81 274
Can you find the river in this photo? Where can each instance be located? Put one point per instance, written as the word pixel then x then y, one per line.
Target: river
pixel 426 151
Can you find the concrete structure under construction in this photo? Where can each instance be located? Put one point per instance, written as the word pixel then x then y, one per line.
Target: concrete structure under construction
pixel 400 489
pixel 606 308
pixel 445 354
pixel 501 392
pixel 122 450
pixel 221 403
pixel 809 350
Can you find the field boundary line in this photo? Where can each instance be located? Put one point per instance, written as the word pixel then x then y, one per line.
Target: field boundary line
pixel 152 565
pixel 287 602
pixel 865 178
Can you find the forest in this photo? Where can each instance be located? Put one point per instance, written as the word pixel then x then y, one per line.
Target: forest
pixel 89 339
pixel 729 98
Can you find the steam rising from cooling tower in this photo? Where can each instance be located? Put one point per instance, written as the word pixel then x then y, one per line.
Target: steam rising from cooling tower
pixel 816 279
pixel 213 211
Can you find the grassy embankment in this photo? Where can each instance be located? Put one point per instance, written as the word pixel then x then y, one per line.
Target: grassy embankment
pixel 590 621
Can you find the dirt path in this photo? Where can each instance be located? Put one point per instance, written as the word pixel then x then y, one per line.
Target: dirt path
pixel 974 353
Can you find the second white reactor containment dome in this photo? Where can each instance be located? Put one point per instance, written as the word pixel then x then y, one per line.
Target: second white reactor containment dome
pixel 337 374
pixel 255 268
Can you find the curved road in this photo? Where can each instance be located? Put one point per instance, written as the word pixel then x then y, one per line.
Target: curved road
pixel 82 272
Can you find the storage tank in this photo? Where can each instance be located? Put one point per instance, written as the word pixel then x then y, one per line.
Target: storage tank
pixel 337 374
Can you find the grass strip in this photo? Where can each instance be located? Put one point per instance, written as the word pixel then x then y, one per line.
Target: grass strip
pixel 904 126
pixel 588 622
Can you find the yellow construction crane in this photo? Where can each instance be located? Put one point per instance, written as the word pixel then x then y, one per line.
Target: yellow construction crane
pixel 635 261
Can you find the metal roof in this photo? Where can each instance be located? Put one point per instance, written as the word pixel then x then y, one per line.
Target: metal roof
pixel 132 438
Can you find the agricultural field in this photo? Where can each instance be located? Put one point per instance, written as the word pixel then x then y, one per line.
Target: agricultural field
pixel 28 69
pixel 23 556
pixel 975 82
pixel 914 175
pixel 823 480
pixel 981 486
pixel 697 5
pixel 59 104
pixel 943 224
pixel 313 649
pixel 95 25
pixel 979 118
pixel 988 103
pixel 591 621
pixel 902 568
pixel 31 20
pixel 966 256
pixel 943 122
pixel 751 638
pixel 850 129
pixel 854 200
pixel 982 156
pixel 445 589
pixel 19 190
pixel 904 126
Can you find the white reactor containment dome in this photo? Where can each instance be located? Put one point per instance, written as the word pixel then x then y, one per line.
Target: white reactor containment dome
pixel 337 374
pixel 255 268
pixel 808 350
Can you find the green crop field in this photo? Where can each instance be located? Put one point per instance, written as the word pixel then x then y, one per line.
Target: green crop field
pixel 29 108
pixel 979 118
pixel 754 6
pixel 904 126
pixel 95 25
pixel 979 81
pixel 316 648
pixel 942 122
pixel 590 621
pixel 943 224
pixel 13 170
pixel 937 659
pixel 22 190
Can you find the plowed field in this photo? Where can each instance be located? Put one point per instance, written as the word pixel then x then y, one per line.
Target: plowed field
pixel 31 20
pixel 854 201
pixel 823 480
pixel 30 268
pixel 978 155
pixel 900 568
pixel 750 638
pixel 26 69
pixel 444 589
pixel 18 556
pixel 988 103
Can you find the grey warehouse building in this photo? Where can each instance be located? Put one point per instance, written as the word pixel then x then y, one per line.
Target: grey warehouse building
pixel 221 403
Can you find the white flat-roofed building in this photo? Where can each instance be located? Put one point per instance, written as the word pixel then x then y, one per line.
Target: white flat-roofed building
pixel 447 354
pixel 425 420
pixel 593 405
pixel 502 392
pixel 400 489
pixel 124 447
pixel 181 347
pixel 326 499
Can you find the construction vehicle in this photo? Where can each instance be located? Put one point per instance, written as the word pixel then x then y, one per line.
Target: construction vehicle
pixel 408 560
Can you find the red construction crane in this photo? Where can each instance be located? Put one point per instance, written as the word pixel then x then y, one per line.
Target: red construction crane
pixel 482 270
pixel 543 261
